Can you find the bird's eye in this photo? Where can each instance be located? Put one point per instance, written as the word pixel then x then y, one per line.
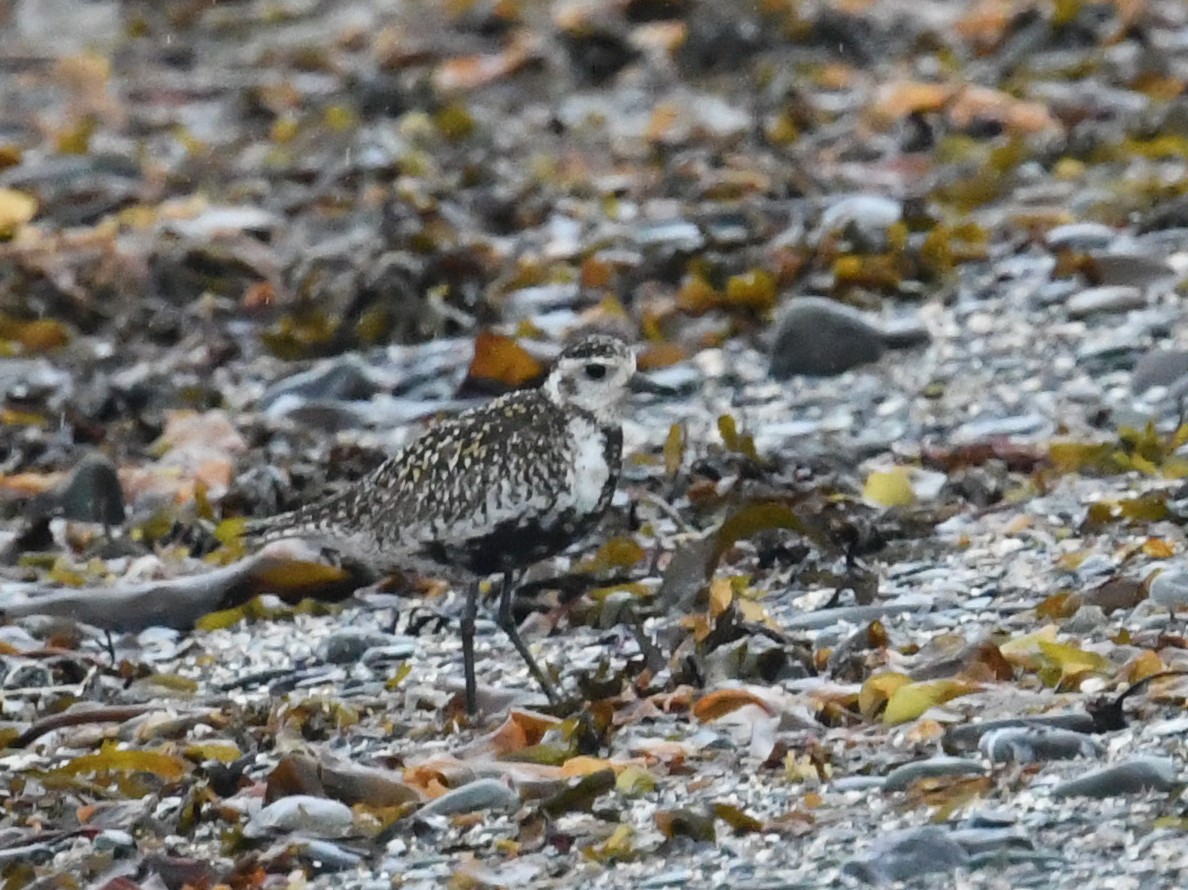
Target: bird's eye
pixel 595 372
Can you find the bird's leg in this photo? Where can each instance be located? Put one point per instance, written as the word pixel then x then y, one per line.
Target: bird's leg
pixel 468 614
pixel 507 622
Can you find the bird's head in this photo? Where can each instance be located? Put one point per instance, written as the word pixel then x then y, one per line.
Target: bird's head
pixel 593 373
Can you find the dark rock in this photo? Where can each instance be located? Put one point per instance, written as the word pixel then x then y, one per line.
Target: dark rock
pixel 1030 744
pixel 903 776
pixel 344 378
pixel 1162 367
pixel 91 493
pixel 820 337
pixel 349 644
pixel 903 855
pixel 481 794
pixel 1105 299
pixel 967 736
pixel 1081 236
pixel 1132 777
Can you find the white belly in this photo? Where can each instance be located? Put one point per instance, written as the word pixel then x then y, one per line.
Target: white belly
pixel 590 472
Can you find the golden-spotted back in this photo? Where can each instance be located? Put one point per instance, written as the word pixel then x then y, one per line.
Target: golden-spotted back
pixel 492 489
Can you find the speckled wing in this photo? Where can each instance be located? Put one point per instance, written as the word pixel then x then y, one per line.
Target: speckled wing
pixel 501 462
pixel 505 461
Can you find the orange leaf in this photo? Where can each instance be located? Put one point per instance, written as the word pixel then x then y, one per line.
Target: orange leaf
pixel 502 360
pixel 520 730
pixel 724 701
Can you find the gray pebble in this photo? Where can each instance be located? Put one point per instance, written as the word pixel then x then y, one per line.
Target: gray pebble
pixel 903 855
pixel 346 378
pixel 115 840
pixel 399 649
pixel 305 813
pixel 1108 298
pixel 821 338
pixel 1161 367
pixel 348 645
pixel 1030 744
pixel 998 427
pixel 91 493
pixel 1080 236
pixel 325 856
pixel 1170 589
pixel 1132 777
pixel 900 778
pixel 481 794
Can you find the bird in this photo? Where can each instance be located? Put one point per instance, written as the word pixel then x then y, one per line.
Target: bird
pixel 487 492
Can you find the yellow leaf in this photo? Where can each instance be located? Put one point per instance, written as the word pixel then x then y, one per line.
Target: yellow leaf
pixel 755 613
pixel 721 595
pixel 223 752
pixel 912 699
pixel 618 553
pixel 752 519
pixel 113 759
pixel 618 846
pixel 1073 661
pixel 584 765
pixel 755 289
pixel 1025 651
pixel 1159 548
pixel 297 574
pixel 230 529
pixel 674 450
pixel 220 620
pixel 635 781
pixel 889 488
pixel 16 209
pixel 1143 665
pixel 877 690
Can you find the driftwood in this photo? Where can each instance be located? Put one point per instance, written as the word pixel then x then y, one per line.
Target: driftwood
pixel 180 602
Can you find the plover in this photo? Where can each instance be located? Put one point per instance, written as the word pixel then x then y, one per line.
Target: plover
pixel 487 492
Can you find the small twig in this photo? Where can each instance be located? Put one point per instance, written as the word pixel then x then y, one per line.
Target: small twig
pixel 668 510
pixel 109 714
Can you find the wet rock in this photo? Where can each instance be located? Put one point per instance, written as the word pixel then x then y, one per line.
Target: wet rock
pixel 348 645
pixel 214 222
pixel 1132 777
pixel 598 53
pixel 302 813
pixel 991 839
pixel 1080 236
pixel 1170 589
pixel 820 337
pixel 864 218
pixel 396 649
pixel 1028 744
pixel 1130 270
pixel 118 842
pixel 344 378
pixel 1106 299
pixel 481 794
pixel 32 378
pixel 324 856
pixel 966 737
pixel 900 778
pixel 903 855
pixel 1161 367
pixel 675 234
pixel 906 333
pixel 1029 425
pixel 91 493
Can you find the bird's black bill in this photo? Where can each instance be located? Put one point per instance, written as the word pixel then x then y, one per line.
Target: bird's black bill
pixel 642 383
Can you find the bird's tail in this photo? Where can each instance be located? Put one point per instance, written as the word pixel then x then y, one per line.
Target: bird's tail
pixel 325 520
